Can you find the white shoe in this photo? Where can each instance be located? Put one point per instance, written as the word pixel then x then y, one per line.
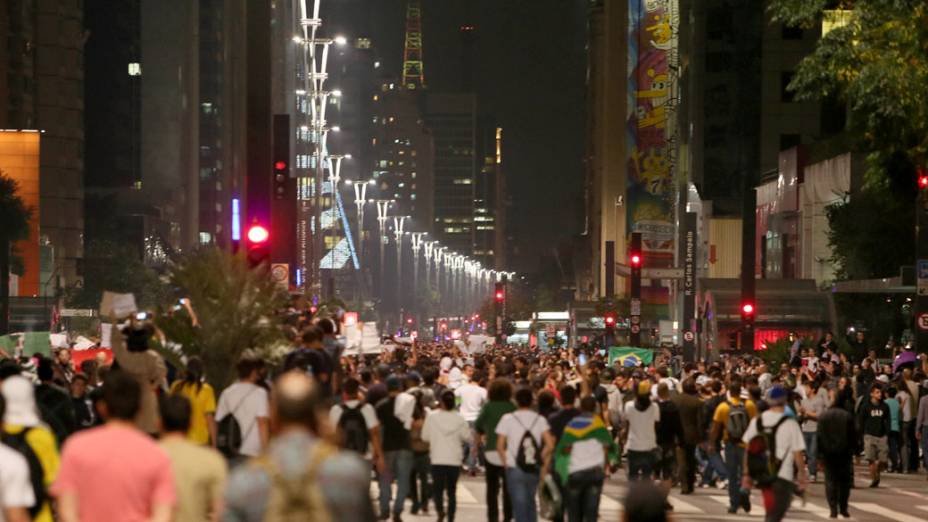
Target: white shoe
pixel 722 484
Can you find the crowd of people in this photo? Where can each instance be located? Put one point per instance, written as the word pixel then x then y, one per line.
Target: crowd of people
pixel 305 438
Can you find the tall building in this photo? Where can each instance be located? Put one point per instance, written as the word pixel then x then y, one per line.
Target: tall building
pixel 606 112
pixel 193 125
pixel 42 87
pixel 490 201
pixel 403 154
pixel 452 118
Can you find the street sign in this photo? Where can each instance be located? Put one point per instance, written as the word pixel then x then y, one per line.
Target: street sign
pixel 923 322
pixel 636 328
pixel 636 307
pixel 624 270
pixel 635 319
pixel 689 336
pixel 77 312
pixel 280 273
pixel 551 330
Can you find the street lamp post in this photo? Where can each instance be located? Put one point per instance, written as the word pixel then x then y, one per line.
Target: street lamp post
pixel 417 241
pixel 335 170
pixel 360 198
pixel 398 225
pixel 429 247
pixel 383 210
pixel 437 259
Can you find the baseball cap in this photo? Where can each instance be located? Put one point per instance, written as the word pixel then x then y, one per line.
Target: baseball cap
pixel 777 395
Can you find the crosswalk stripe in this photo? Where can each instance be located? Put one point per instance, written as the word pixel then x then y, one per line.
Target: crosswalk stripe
pixel 923 508
pixel 682 506
pixel 607 503
pixel 877 509
pixel 723 499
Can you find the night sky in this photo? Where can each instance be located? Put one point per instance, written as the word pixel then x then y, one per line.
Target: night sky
pixel 529 73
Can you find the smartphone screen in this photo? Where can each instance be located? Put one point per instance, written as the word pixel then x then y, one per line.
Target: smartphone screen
pixel 582 359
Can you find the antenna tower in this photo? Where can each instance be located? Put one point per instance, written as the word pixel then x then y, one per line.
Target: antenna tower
pixel 413 71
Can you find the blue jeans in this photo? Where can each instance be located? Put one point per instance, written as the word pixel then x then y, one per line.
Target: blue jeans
pixel 734 462
pixel 640 465
pixel 471 452
pixel 713 464
pixel 583 491
pixel 522 487
pixel 811 450
pixel 399 469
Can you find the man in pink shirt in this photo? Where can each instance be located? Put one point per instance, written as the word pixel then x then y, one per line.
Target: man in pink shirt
pixel 115 472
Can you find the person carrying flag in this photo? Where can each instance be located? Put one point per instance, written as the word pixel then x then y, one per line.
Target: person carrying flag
pixel 584 455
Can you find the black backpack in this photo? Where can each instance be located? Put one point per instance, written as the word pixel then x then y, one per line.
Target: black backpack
pixel 36 472
pixel 528 458
pixel 229 434
pixel 737 422
pixel 763 464
pixel 353 427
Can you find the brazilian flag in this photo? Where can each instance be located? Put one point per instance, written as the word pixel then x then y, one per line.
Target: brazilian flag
pixel 630 357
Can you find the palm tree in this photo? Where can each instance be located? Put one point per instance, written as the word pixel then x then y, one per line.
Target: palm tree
pixel 14 226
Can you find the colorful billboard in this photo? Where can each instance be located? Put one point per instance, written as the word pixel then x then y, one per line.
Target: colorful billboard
pixel 651 190
pixel 19 160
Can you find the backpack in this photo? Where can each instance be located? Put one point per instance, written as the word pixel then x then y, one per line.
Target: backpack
pixel 353 428
pixel 229 434
pixel 528 458
pixel 36 472
pixel 300 498
pixel 763 464
pixel 737 422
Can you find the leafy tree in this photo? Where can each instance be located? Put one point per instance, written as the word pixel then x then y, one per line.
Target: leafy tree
pixel 236 309
pixel 117 267
pixel 14 226
pixel 877 64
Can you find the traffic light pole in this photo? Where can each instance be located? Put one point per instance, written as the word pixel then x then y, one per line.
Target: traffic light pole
pixel 748 260
pixel 634 336
pixel 921 261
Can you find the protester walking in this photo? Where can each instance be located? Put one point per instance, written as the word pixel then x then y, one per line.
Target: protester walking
pixel 446 431
pixel 836 440
pixel 499 404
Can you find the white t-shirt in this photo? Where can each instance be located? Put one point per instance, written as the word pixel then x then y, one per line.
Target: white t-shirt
pixel 367 411
pixel 472 399
pixel 789 440
pixel 513 426
pixel 247 402
pixel 15 486
pixel 641 426
pixel 586 454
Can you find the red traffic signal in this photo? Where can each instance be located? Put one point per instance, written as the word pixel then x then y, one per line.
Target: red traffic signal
pixel 635 259
pixel 258 234
pixel 258 252
pixel 747 309
pixel 500 295
pixel 922 179
pixel 609 320
pixel 280 165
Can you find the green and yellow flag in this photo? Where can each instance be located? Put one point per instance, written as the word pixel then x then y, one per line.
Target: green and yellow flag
pixel 630 357
pixel 581 428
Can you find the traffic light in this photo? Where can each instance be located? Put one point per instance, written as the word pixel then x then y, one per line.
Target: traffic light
pixel 281 159
pixel 609 321
pixel 748 311
pixel 922 178
pixel 259 252
pixel 635 262
pixel 280 179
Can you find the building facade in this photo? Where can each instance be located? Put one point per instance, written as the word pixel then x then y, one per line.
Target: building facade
pixel 42 87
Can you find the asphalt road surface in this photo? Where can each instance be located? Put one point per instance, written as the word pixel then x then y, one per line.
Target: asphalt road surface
pixel 900 498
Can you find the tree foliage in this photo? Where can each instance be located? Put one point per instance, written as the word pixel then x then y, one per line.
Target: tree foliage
pixel 117 267
pixel 877 64
pixel 236 308
pixel 14 214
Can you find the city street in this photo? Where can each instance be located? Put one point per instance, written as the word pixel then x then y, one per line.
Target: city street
pixel 900 498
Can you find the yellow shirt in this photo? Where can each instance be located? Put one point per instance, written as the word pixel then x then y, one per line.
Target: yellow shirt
pixel 202 403
pixel 43 444
pixel 199 476
pixel 721 413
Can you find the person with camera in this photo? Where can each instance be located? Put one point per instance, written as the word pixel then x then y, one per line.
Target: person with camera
pixel 133 355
